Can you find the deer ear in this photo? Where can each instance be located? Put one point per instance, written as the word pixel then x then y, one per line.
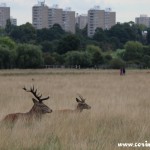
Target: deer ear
pixel 34 101
pixel 78 100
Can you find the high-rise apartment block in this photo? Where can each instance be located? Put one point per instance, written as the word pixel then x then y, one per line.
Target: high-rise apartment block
pixel 68 20
pixel 45 17
pixel 4 15
pixel 110 18
pixel 55 16
pixel 40 16
pixel 13 21
pixel 98 18
pixel 144 20
pixel 81 21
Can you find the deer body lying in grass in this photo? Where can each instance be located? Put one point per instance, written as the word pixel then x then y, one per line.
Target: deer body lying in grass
pixel 80 107
pixel 36 112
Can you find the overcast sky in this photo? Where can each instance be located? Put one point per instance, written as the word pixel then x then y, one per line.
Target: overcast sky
pixel 126 10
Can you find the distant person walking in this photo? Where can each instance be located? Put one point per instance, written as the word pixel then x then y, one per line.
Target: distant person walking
pixel 122 71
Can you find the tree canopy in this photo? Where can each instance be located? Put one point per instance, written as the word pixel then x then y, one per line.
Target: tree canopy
pixel 25 47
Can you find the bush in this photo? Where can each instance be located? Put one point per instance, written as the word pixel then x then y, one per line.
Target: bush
pixel 48 59
pixel 7 58
pixel 107 58
pixel 29 56
pixel 95 54
pixel 78 58
pixel 146 61
pixel 117 63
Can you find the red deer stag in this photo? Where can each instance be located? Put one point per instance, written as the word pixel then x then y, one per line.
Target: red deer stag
pixel 81 105
pixel 36 112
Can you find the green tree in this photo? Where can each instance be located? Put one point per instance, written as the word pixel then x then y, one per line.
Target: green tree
pixel 148 36
pixel 68 43
pixel 92 49
pixel 117 63
pixel 78 58
pixel 107 58
pixel 8 27
pixel 49 59
pixel 7 52
pixel 100 35
pixel 97 59
pixel 29 56
pixel 146 61
pixel 53 33
pixel 57 31
pixel 126 32
pixel 119 31
pixel 53 59
pixel 134 51
pixel 25 33
pixel 82 35
pixel 2 32
pixel 59 59
pixel 115 43
pixel 7 58
pixel 7 42
pixel 146 50
pixel 95 54
pixel 46 46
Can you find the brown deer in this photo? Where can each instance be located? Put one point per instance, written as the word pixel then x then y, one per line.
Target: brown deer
pixel 81 105
pixel 36 112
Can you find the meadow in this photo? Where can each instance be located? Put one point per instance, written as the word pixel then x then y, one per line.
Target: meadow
pixel 120 110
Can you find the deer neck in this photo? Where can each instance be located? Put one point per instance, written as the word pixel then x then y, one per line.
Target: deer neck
pixel 78 109
pixel 34 112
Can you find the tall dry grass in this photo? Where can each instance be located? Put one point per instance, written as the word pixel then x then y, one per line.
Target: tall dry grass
pixel 120 109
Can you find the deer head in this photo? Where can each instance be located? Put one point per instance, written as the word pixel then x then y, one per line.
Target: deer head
pixel 39 107
pixel 81 104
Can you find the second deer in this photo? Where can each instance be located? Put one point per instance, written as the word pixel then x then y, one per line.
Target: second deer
pixel 80 107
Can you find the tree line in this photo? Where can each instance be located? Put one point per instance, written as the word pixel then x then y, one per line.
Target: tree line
pixel 124 44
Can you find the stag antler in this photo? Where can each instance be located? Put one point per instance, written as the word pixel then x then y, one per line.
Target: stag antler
pixel 34 92
pixel 81 97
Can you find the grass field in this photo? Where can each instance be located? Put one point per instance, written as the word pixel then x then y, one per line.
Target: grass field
pixel 120 110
